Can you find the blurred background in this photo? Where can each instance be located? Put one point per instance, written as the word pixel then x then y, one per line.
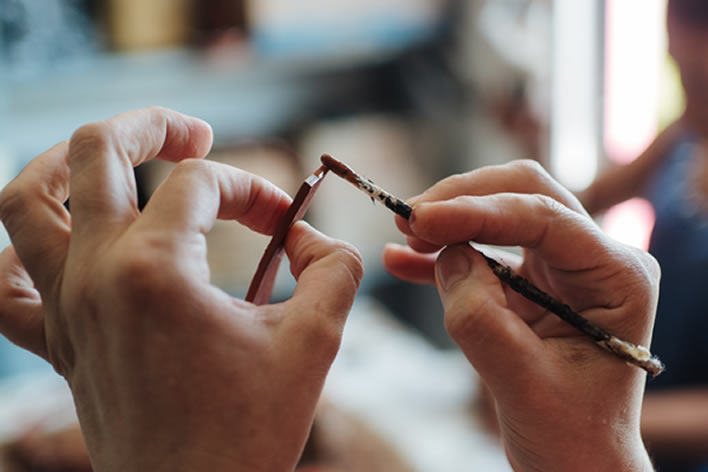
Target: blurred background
pixel 405 91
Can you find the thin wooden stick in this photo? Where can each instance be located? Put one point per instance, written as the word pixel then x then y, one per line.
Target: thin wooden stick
pixel 261 287
pixel 630 353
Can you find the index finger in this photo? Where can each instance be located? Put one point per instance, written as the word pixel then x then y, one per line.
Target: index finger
pixel 562 237
pixel 32 210
pixel 194 195
pixel 102 156
pixel 522 176
pixel 198 192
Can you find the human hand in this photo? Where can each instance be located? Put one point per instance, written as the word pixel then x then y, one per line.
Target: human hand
pixel 563 403
pixel 167 371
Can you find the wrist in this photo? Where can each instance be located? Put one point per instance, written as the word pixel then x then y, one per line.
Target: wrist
pixel 631 456
pixel 630 463
pixel 598 443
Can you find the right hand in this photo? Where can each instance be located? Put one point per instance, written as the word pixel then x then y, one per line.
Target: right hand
pixel 563 403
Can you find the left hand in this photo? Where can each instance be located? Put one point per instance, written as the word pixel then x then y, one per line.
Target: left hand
pixel 167 371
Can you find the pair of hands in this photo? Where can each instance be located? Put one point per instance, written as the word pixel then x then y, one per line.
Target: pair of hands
pixel 168 372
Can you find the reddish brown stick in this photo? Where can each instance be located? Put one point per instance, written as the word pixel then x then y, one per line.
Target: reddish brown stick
pixel 261 287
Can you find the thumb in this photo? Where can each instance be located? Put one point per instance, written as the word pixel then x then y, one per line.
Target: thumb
pixel 328 274
pixel 496 340
pixel 21 318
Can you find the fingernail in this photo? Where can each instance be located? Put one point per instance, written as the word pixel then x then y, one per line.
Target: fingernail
pixel 411 218
pixel 453 265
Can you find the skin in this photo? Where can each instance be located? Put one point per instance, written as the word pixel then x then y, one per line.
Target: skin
pixel 563 403
pixel 167 371
pixel 170 373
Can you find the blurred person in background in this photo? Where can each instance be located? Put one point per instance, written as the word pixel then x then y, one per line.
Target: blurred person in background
pixel 672 173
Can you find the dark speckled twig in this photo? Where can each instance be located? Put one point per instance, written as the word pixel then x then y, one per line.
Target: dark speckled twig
pixel 636 355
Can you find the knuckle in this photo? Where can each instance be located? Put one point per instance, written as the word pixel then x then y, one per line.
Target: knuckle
pixel 461 327
pixel 192 167
pixel 537 179
pixel 90 138
pixel 60 353
pixel 348 257
pixel 197 172
pixel 352 260
pixel 548 206
pixel 462 321
pixel 457 181
pixel 473 315
pixel 652 266
pixel 13 201
pixel 158 110
pixel 636 279
pixel 534 176
pixel 649 274
pixel 137 275
pixel 133 269
pixel 314 250
pixel 325 337
pixel 530 169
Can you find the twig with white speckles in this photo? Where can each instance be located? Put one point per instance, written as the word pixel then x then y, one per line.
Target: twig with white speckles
pixel 630 353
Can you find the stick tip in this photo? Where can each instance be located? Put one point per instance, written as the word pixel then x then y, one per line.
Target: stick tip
pixel 635 354
pixel 338 167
